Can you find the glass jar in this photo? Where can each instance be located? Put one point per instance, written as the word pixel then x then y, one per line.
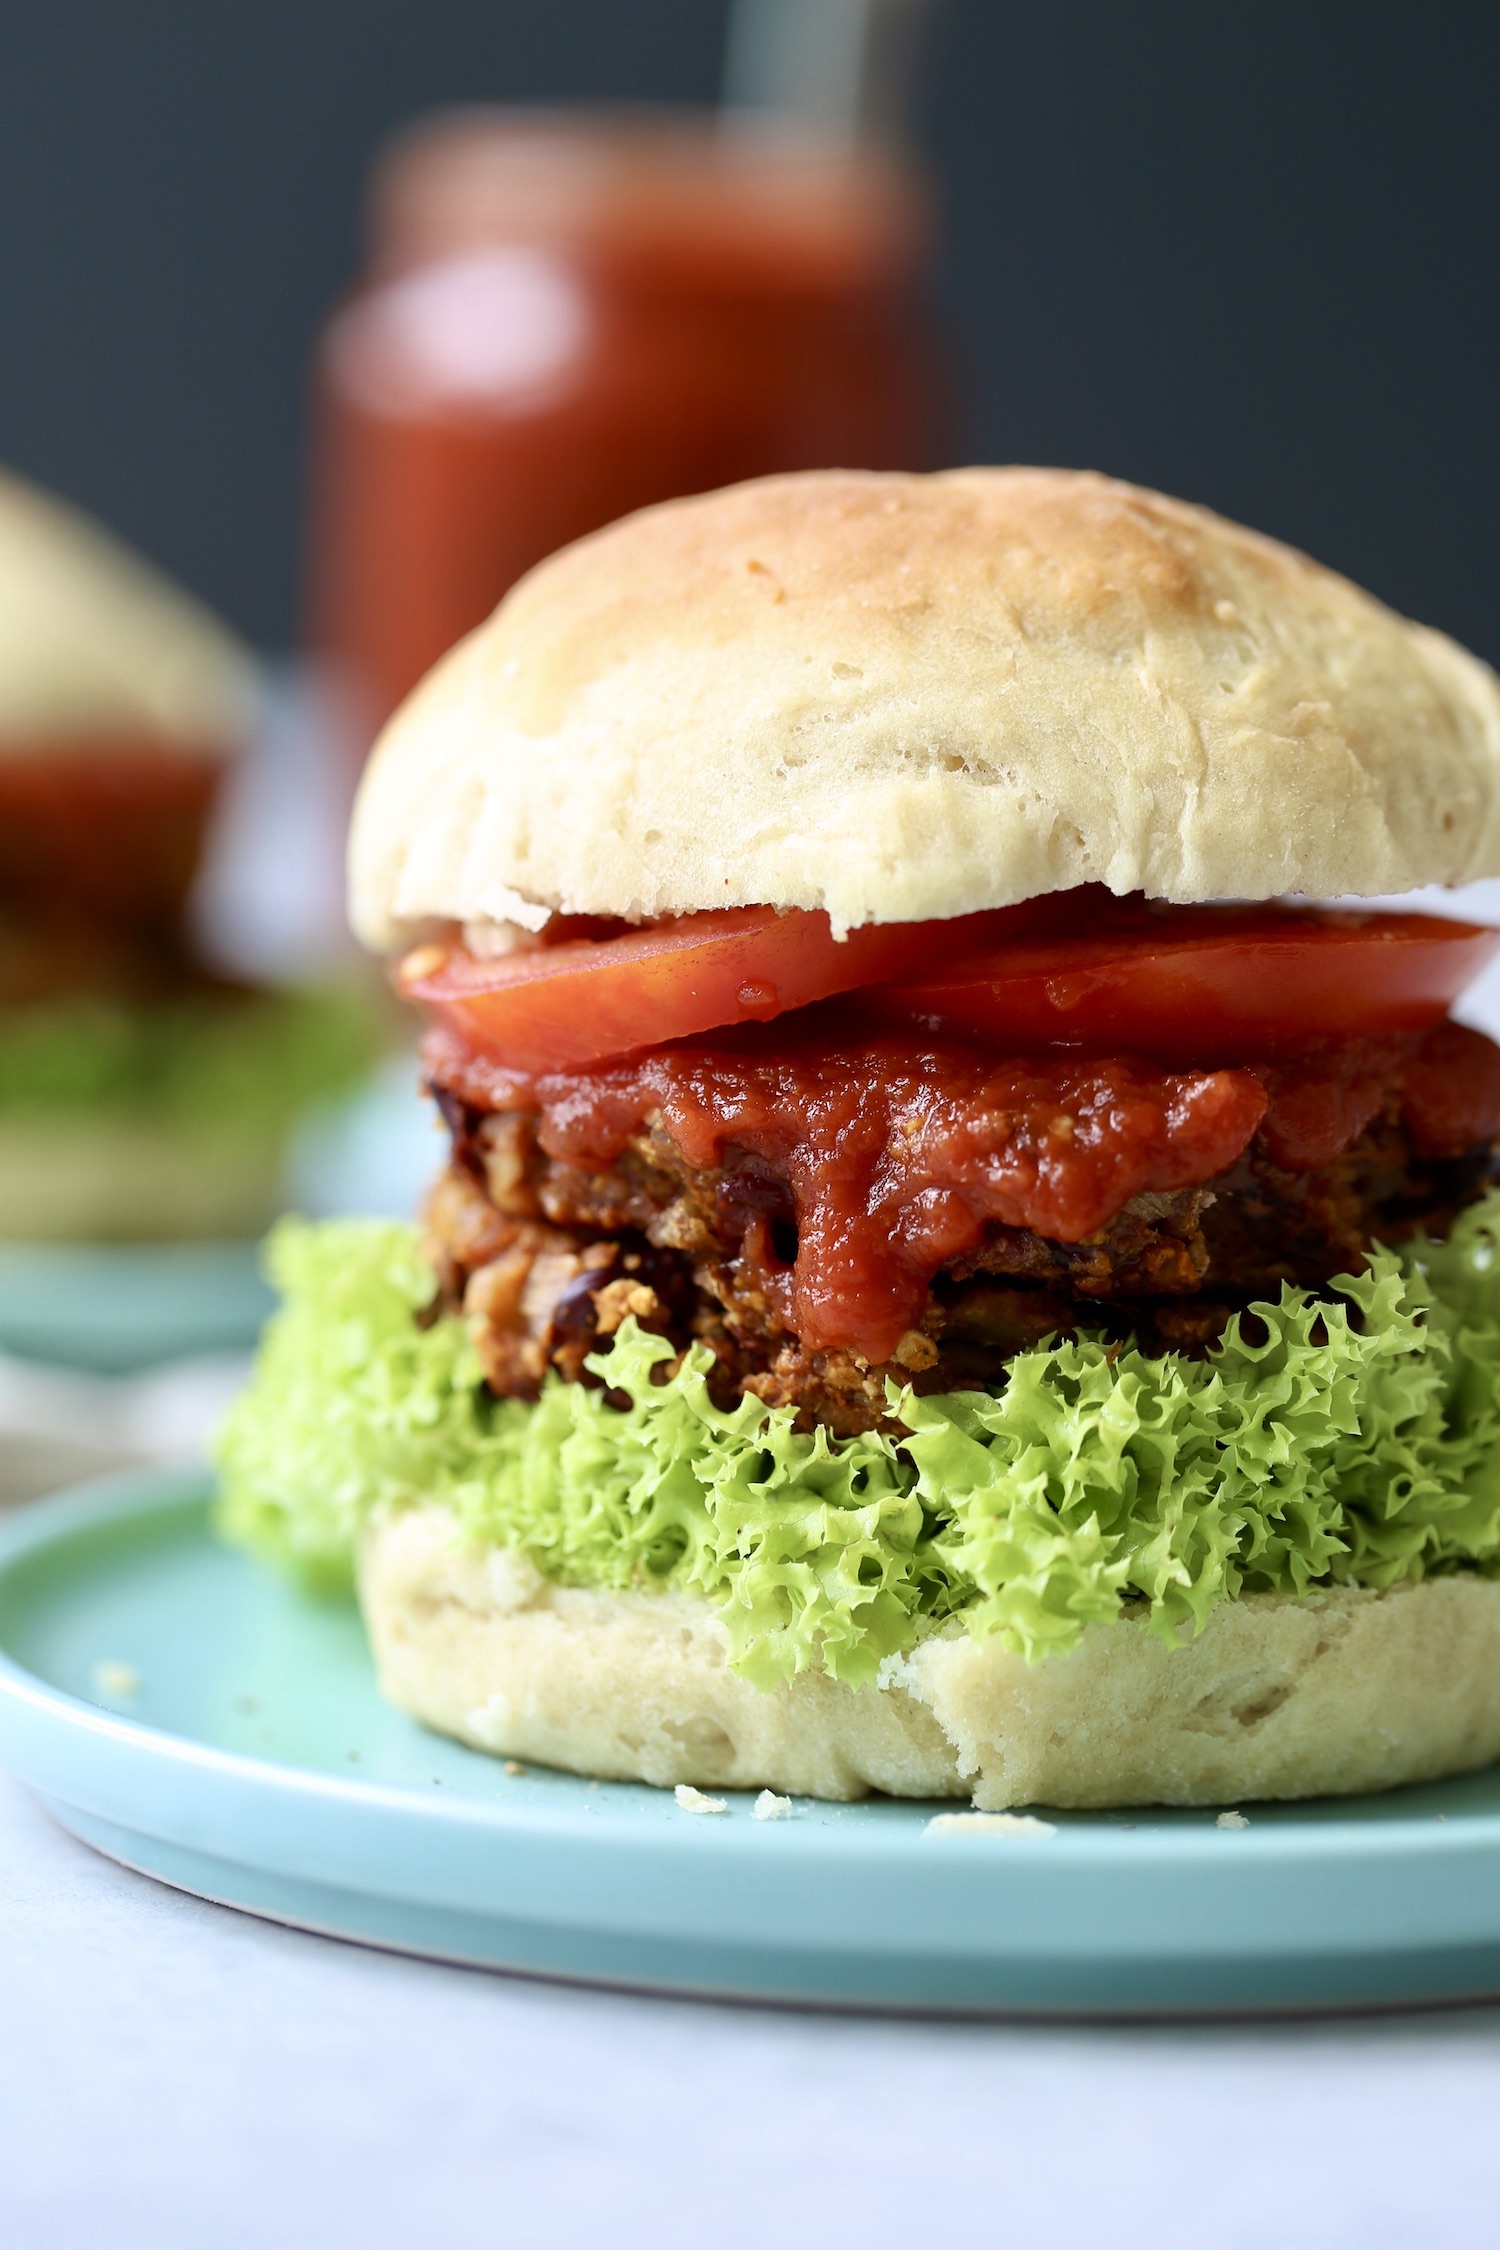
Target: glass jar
pixel 570 316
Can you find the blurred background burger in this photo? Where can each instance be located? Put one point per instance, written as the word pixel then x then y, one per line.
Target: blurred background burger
pixel 147 1093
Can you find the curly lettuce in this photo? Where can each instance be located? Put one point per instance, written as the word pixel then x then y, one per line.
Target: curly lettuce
pixel 206 1063
pixel 1348 1439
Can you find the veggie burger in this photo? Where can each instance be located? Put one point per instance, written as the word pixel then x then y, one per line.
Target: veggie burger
pixel 144 1093
pixel 957 1271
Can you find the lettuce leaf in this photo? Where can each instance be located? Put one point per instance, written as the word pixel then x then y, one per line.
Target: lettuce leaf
pixel 214 1064
pixel 1353 1439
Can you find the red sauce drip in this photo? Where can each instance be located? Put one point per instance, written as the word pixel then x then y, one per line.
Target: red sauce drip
pixel 901 1158
pixel 1450 1092
pixel 1320 1104
pixel 1447 1081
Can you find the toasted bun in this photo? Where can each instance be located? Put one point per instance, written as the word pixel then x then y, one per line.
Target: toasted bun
pixel 901 697
pixel 97 646
pixel 1341 1692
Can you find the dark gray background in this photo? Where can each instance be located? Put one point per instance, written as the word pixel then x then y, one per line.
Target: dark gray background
pixel 1249 254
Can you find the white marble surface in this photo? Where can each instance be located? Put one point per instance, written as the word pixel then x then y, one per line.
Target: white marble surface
pixel 172 2073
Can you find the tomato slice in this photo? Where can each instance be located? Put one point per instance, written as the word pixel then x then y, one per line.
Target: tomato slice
pixel 558 1007
pixel 1200 984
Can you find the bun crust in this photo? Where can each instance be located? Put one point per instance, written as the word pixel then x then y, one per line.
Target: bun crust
pixel 95 645
pixel 1339 1693
pixel 901 697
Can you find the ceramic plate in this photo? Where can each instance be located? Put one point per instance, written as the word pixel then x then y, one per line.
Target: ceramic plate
pixel 115 1308
pixel 183 1710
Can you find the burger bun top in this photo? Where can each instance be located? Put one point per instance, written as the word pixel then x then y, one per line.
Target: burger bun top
pixel 98 648
pixel 900 697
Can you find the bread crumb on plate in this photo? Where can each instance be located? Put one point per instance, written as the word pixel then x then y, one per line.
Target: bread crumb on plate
pixel 1231 1820
pixel 693 1800
pixel 988 1823
pixel 768 1806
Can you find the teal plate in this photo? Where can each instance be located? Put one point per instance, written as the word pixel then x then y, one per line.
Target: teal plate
pixel 117 1307
pixel 186 1712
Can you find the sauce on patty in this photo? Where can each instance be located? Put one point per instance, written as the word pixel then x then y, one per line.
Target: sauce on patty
pixel 901 1158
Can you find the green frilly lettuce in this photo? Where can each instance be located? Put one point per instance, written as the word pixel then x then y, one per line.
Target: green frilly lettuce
pixel 205 1063
pixel 1357 1440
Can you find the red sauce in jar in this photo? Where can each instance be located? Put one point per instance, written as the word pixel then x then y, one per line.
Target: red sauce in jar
pixel 569 316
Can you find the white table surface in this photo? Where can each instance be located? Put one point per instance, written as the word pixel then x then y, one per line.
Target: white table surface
pixel 172 2073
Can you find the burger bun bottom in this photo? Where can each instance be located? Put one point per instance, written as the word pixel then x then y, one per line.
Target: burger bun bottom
pixel 1333 1694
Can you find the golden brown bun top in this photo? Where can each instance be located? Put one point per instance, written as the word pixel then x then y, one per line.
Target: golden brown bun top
pixel 97 646
pixel 899 697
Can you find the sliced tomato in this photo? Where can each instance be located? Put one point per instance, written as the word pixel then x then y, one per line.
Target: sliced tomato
pixel 1200 984
pixel 557 1007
